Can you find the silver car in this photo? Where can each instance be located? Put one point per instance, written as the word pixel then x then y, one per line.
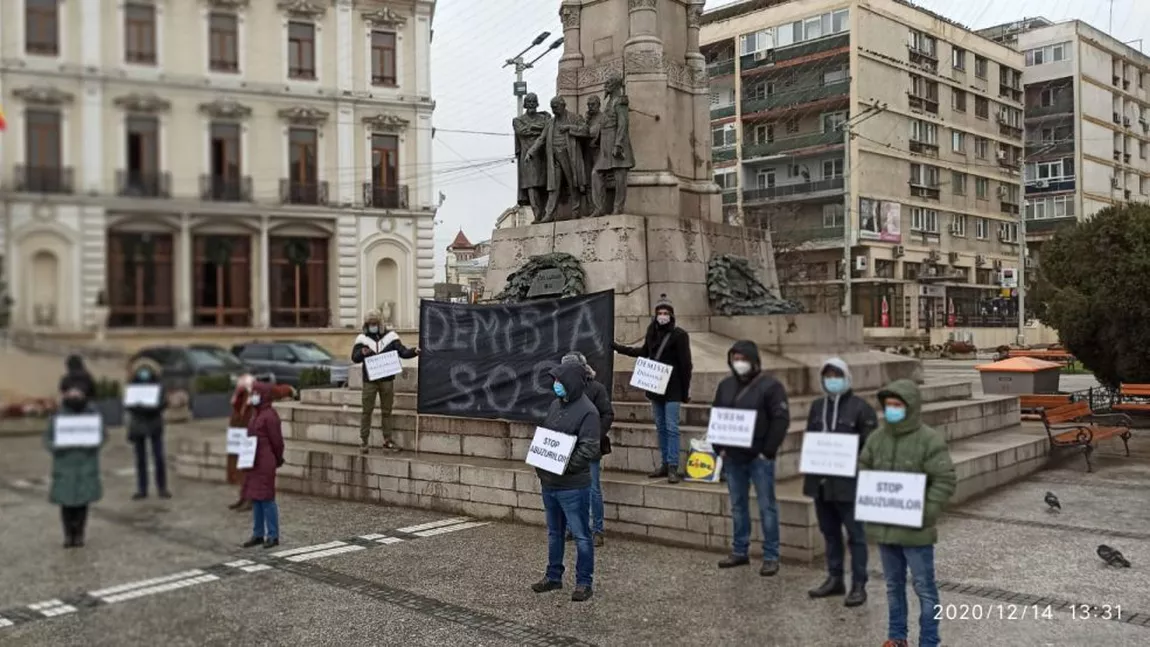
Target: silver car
pixel 287 360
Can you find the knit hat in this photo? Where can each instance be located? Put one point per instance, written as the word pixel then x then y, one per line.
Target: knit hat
pixel 575 357
pixel 372 315
pixel 664 304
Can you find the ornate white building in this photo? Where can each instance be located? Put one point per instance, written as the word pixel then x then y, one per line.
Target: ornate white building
pixel 216 163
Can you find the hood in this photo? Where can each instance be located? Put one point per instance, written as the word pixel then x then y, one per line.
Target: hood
pixel 839 365
pixel 75 364
pixel 573 377
pixel 747 349
pixel 907 391
pixel 265 391
pixel 575 357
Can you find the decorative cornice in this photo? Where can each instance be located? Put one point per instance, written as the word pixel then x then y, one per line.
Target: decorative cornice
pixel 386 123
pixel 304 115
pixel 385 17
pixel 302 9
pixel 695 15
pixel 569 15
pixel 43 95
pixel 226 109
pixel 641 4
pixel 228 5
pixel 143 102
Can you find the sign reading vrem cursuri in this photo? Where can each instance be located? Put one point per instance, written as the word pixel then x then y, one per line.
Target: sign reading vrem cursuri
pixel 493 360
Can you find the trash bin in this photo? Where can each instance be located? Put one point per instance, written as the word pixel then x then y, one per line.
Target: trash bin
pixel 1020 376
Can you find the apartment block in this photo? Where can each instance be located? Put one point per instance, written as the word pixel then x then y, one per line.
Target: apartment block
pixel 216 163
pixel 926 193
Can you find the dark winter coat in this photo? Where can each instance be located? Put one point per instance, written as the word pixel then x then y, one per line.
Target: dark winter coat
pixel 597 394
pixel 75 470
pixel 384 341
pixel 675 352
pixel 78 377
pixel 146 422
pixel 576 416
pixel 845 413
pixel 260 480
pixel 760 392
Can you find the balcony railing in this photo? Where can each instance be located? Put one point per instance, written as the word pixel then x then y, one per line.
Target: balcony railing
pixel 722 112
pixel 793 190
pixel 1049 186
pixel 723 154
pixel 314 193
pixel 720 68
pixel 783 54
pixel 730 196
pixel 1049 149
pixel 143 184
pixel 792 143
pixel 1008 206
pixel 384 196
pixel 798 96
pixel 1058 109
pixel 226 188
pixel 44 179
pixel 927 191
pixel 1047 225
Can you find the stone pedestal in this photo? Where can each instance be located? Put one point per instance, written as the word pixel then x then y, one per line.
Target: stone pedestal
pixel 639 258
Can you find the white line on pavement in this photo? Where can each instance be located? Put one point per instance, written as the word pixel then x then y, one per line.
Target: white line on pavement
pixel 143 583
pixel 45 605
pixel 446 529
pixel 324 553
pixel 163 588
pixel 388 540
pixel 372 537
pixel 239 562
pixel 5 622
pixel 307 549
pixel 255 568
pixel 58 611
pixel 434 524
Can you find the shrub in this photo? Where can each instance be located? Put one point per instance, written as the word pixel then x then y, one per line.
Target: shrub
pixel 108 389
pixel 213 383
pixel 315 377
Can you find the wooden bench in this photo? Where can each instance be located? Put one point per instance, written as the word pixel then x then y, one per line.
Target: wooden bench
pixel 1059 356
pixel 1033 405
pixel 1140 396
pixel 1072 425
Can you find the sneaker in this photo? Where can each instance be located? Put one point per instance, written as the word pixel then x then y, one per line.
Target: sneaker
pixel 732 561
pixel 857 596
pixel 673 474
pixel 598 540
pixel 272 543
pixel 896 643
pixel 253 542
pixel 581 594
pixel 831 586
pixel 659 473
pixel 770 567
pixel 545 585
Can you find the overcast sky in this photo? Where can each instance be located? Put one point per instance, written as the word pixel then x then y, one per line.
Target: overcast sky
pixel 473 39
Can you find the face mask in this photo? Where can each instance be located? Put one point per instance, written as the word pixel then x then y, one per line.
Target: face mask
pixel 255 400
pixel 834 384
pixel 663 320
pixel 144 375
pixel 75 404
pixel 894 414
pixel 559 389
pixel 741 367
pixel 373 330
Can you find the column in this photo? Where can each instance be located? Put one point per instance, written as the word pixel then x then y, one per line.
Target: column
pixel 345 151
pixel 695 59
pixel 567 86
pixel 263 314
pixel 343 47
pixel 422 67
pixel 91 177
pixel 643 21
pixel 184 267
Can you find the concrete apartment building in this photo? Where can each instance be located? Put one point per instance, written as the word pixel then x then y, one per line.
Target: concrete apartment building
pixel 1087 122
pixel 934 188
pixel 216 164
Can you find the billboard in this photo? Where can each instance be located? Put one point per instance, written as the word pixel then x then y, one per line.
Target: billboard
pixel 880 220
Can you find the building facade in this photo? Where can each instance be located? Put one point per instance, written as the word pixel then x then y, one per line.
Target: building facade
pixel 466 264
pixel 926 192
pixel 216 163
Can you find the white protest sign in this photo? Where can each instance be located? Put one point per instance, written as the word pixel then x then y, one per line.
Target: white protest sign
pixel 382 365
pixel 236 436
pixel 829 454
pixel 550 450
pixel 142 395
pixel 732 427
pixel 892 498
pixel 77 431
pixel 651 376
pixel 247 455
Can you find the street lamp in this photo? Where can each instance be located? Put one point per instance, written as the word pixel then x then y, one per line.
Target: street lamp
pixel 519 90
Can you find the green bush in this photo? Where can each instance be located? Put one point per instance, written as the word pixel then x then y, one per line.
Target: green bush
pixel 213 384
pixel 315 377
pixel 107 389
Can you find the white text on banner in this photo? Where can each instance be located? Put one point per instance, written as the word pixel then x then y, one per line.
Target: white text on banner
pixel 236 436
pixel 142 395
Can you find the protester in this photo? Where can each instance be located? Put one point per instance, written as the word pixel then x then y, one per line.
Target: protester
pixel 841 412
pixel 567 497
pixel 75 470
pixel 374 340
pixel 904 444
pixel 668 344
pixel 146 424
pixel 748 387
pixel 260 480
pixel 77 376
pixel 240 417
pixel 598 395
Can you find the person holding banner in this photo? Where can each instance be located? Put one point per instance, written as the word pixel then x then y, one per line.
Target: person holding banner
pixel 840 411
pixel 901 453
pixel 668 344
pixel 376 339
pixel 567 489
pixel 748 387
pixel 75 438
pixel 144 401
pixel 597 394
pixel 260 480
pixel 240 417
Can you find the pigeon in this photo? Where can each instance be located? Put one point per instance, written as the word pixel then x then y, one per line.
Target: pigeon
pixel 1112 556
pixel 1052 501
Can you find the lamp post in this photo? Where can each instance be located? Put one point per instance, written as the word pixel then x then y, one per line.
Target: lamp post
pixel 519 90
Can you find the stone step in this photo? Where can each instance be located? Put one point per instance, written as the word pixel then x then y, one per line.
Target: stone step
pixel 692 514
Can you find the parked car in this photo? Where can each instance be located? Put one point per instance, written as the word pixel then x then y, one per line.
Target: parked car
pixel 286 360
pixel 181 365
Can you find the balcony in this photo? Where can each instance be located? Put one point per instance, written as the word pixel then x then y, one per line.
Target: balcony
pixel 1049 148
pixel 385 196
pixel 1007 129
pixel 1010 92
pixel 927 191
pixel 1049 186
pixel 313 193
pixel 799 191
pixel 788 144
pixel 722 112
pixel 723 154
pixel 1046 226
pixel 783 54
pixel 1058 109
pixel 730 196
pixel 922 58
pixel 44 179
pixel 1008 206
pixel 143 184
pixel 924 148
pixel 225 188
pixel 716 69
pixel 923 103
pixel 797 97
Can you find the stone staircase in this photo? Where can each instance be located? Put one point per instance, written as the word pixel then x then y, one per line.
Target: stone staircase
pixel 475 467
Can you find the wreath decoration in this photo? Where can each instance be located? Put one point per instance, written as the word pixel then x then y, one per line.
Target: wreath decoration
pixel 297 251
pixel 733 289
pixel 519 281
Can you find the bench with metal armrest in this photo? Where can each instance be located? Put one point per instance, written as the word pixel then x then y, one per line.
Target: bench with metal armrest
pixel 1133 399
pixel 1032 405
pixel 1075 425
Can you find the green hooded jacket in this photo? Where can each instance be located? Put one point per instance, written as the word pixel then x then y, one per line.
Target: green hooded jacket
pixel 910 446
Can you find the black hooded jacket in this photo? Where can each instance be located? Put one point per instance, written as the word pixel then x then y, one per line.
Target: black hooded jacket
pixel 597 394
pixel 78 377
pixel 676 352
pixel 146 422
pixel 760 392
pixel 576 416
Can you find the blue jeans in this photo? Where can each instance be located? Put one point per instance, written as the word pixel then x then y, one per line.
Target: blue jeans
pixel 596 498
pixel 833 517
pixel 265 519
pixel 667 424
pixel 920 559
pixel 141 450
pixel 567 510
pixel 761 472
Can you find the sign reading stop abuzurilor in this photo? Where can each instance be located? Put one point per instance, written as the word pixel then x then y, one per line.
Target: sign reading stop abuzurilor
pixel 891 498
pixel 550 450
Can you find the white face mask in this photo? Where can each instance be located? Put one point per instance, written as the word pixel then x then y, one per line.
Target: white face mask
pixel 741 367
pixel 254 400
pixel 663 319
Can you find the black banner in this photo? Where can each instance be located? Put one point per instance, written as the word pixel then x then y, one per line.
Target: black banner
pixel 491 361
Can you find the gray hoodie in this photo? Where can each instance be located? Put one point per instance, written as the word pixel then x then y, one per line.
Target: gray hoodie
pixel 843 413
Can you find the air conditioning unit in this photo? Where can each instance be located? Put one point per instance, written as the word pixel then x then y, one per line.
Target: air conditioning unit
pixel 1117 79
pixel 1126 157
pixel 1042 184
pixel 1126 121
pixel 899 251
pixel 980 260
pixel 1117 118
pixel 860 263
pixel 998 264
pixel 1001 155
pixel 933 256
pixel 1113 183
pixel 1001 191
pixel 765 55
pixel 1125 84
pixel 952 257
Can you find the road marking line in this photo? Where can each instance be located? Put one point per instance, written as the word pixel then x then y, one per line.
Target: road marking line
pixel 255 568
pixel 47 604
pixel 388 540
pixel 127 471
pixel 372 537
pixel 411 530
pixel 324 553
pixel 145 583
pixel 58 611
pixel 446 529
pixel 308 549
pixel 163 588
pixel 239 562
pixel 5 622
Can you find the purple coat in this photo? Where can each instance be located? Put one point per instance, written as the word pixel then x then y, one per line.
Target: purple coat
pixel 260 480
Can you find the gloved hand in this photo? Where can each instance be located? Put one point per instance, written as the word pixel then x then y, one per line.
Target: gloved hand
pixel 279 463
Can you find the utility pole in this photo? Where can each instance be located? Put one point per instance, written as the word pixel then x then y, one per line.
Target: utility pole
pixel 519 90
pixel 848 127
pixel 1021 273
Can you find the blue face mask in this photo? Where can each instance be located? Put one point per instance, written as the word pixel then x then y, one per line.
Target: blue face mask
pixel 835 384
pixel 373 330
pixel 894 415
pixel 144 375
pixel 559 389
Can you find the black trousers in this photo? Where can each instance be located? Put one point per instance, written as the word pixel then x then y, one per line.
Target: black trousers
pixel 75 518
pixel 835 517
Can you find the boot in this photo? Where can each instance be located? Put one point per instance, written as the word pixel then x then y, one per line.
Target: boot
pixel 857 596
pixel 544 585
pixel 236 505
pixel 732 561
pixel 831 586
pixel 581 594
pixel 770 568
pixel 673 474
pixel 245 506
pixel 659 473
pixel 253 542
pixel 139 495
pixel 272 543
